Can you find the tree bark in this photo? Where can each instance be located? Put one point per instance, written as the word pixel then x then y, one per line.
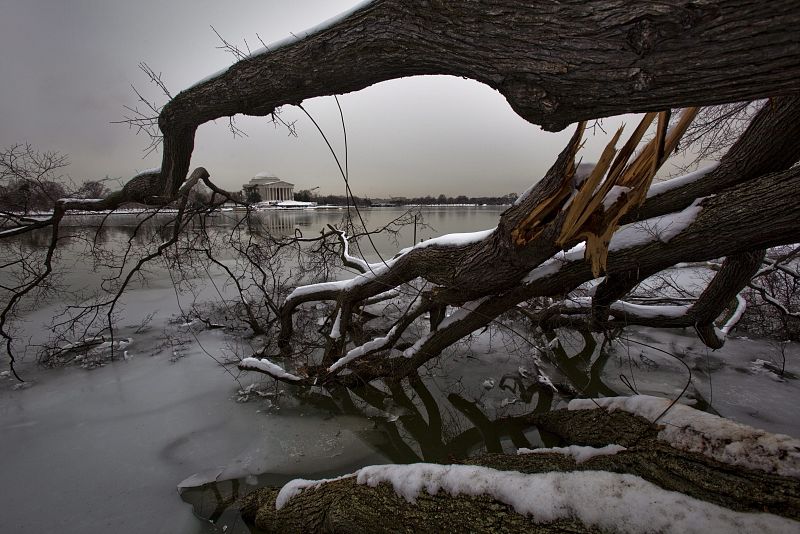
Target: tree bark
pixel 344 506
pixel 562 61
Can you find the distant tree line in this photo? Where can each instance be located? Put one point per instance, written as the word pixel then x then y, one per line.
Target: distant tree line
pixel 25 196
pixel 340 200
pixel 460 199
pixel 305 195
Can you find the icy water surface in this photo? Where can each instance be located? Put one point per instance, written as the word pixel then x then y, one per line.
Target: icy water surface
pixel 126 446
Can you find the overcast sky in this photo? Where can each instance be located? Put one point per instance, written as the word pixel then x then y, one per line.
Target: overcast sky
pixel 66 69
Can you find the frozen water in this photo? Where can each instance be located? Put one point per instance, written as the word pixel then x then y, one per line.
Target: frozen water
pixel 104 450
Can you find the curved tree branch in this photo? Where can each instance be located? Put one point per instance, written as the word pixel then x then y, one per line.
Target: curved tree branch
pixel 564 61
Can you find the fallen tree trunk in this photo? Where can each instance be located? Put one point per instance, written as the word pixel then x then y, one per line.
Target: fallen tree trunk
pixel 355 504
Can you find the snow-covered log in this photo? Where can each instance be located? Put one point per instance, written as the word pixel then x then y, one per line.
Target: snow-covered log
pixel 646 469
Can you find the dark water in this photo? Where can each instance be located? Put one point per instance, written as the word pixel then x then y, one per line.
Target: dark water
pixel 80 233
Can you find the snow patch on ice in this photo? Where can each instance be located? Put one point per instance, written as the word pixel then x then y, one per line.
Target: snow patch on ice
pixel 578 452
pixel 721 439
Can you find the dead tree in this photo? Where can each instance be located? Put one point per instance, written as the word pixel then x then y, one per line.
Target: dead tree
pixel 556 63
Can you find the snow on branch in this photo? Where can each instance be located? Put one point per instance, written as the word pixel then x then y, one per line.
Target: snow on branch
pixel 375 270
pixel 679 181
pixel 347 259
pixel 741 305
pixel 265 366
pixel 659 229
pixel 297 486
pixel 656 229
pixel 385 342
pixel 721 439
pixel 633 311
pixel 772 300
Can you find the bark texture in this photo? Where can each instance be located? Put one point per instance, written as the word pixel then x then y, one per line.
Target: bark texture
pixel 555 62
pixel 344 506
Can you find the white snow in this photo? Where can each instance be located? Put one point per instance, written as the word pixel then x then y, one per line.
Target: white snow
pixel 613 195
pixel 456 316
pixel 343 285
pixel 302 291
pixel 456 240
pixel 84 200
pixel 741 305
pixel 336 328
pixel 721 439
pixel 680 181
pixel 298 485
pixel 268 367
pixel 609 501
pixel 364 266
pixel 361 350
pixel 662 228
pixel 154 170
pixel 377 269
pixel 578 452
pixel 295 204
pixel 553 265
pixel 524 195
pixel 386 295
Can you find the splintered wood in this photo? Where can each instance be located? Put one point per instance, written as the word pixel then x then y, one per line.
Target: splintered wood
pixel 594 212
pixel 553 192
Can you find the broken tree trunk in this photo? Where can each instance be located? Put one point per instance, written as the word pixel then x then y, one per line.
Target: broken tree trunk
pixel 487 274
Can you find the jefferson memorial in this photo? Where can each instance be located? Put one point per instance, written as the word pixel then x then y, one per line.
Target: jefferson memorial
pixel 269 188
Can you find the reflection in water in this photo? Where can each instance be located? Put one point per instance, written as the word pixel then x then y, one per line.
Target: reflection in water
pixel 99 237
pixel 419 421
pixel 582 374
pixel 415 430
